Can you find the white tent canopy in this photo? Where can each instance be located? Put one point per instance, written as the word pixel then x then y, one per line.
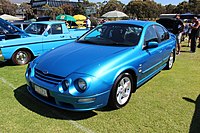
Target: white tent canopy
pixel 114 14
pixel 9 17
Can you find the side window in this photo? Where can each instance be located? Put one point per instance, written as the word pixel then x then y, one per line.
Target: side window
pixel 55 29
pixel 95 33
pixel 166 33
pixel 161 33
pixel 151 35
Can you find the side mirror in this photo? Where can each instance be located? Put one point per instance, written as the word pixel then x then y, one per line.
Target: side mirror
pixel 152 44
pixel 46 34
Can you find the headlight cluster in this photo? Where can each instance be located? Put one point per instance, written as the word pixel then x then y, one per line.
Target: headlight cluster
pixel 66 85
pixel 80 84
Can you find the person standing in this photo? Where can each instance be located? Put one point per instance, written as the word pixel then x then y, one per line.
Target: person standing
pixel 194 34
pixel 88 23
pixel 189 35
pixel 199 35
pixel 177 30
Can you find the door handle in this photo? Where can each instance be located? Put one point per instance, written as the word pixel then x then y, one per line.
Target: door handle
pixel 62 36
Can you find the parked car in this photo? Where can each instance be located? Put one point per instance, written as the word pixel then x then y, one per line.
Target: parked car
pixel 39 37
pixel 168 23
pixel 21 24
pixel 103 67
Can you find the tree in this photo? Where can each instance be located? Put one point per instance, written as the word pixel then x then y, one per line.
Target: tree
pixel 99 5
pixel 79 9
pixel 47 10
pixel 27 11
pixel 153 10
pixel 183 7
pixel 112 5
pixel 56 11
pixel 170 8
pixel 136 9
pixel 194 6
pixel 52 11
pixel 144 9
pixel 6 7
pixel 68 9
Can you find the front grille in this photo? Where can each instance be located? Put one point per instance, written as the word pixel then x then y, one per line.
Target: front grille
pixel 50 78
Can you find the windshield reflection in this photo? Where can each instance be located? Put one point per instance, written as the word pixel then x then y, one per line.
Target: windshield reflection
pixel 36 29
pixel 113 34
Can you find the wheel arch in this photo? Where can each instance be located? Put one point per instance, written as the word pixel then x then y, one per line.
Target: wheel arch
pixel 132 72
pixel 25 49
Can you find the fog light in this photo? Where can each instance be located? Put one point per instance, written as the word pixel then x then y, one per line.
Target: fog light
pixel 85 100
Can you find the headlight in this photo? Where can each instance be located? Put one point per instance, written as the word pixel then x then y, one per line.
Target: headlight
pixel 82 84
pixel 66 85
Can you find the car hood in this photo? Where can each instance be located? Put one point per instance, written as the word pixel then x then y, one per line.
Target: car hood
pixel 75 57
pixel 11 28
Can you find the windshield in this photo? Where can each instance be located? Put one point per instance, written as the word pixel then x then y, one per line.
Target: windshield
pixel 36 29
pixel 113 34
pixel 3 31
pixel 7 28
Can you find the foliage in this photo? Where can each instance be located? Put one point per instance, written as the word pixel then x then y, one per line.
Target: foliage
pixel 112 5
pixel 27 10
pixel 135 8
pixel 170 9
pixel 183 7
pixel 147 9
pixel 68 9
pixel 6 7
pixel 79 9
pixel 195 6
pixel 52 11
pixel 56 11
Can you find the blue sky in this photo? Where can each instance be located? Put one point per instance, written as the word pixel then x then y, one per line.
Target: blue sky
pixel 163 2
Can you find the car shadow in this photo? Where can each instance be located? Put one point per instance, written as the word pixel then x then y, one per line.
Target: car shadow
pixel 184 51
pixel 27 100
pixel 195 123
pixel 5 63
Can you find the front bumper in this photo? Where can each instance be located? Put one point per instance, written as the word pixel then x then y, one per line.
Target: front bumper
pixel 72 103
pixel 96 96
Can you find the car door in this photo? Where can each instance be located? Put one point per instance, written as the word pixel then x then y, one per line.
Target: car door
pixel 55 37
pixel 165 43
pixel 151 59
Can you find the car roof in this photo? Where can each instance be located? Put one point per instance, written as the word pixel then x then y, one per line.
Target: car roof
pixel 49 22
pixel 133 22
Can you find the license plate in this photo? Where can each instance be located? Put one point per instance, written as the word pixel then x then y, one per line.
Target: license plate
pixel 41 91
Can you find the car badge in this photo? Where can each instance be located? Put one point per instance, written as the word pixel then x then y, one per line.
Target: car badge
pixel 45 72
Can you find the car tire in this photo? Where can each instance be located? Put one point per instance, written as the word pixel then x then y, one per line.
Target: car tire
pixel 21 57
pixel 170 61
pixel 121 91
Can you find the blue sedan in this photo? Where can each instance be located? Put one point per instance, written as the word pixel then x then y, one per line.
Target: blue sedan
pixel 103 67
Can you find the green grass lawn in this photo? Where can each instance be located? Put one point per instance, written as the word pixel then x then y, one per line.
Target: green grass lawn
pixel 168 103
